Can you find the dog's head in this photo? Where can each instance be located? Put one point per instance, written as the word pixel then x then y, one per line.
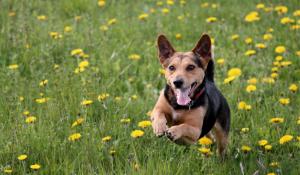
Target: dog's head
pixel 184 71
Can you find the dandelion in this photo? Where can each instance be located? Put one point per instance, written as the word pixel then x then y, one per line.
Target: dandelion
pixel 250 52
pixel 21 98
pixel 268 80
pixel 241 105
pixel 268 9
pixel 229 79
pixel 26 112
pixel 134 57
pixel 296 13
pixel 144 124
pixel 7 171
pixel 112 21
pixel 246 148
pixel 133 96
pixel 248 107
pixel 260 6
pixel 78 17
pixel 43 83
pixel 274 164
pixel 270 30
pixel 182 2
pixel 152 11
pixel 95 68
pixel 234 37
pixel 279 49
pixel 262 142
pixel 251 88
pixel 81 55
pixel 30 119
pixel 278 58
pixel 15 66
pixel 298 138
pixel 248 40
pixel 101 3
pixel 245 129
pixel 274 69
pixel 159 3
pixel 137 133
pixel 170 2
pixel 68 28
pixel 205 141
pixel 149 113
pixel 293 87
pixel 204 150
pixel 271 174
pixel 220 61
pixel 42 17
pixel 282 9
pixel 252 81
pixel 274 75
pixel 298 122
pixel 86 56
pixel 165 10
pixel 77 122
pixel 235 72
pixel 178 35
pixel 35 166
pixel 56 66
pixel 295 27
pixel 107 138
pixel 130 79
pixel 87 102
pixel 22 157
pixel 149 85
pixel 103 28
pixel 112 152
pixel 162 71
pixel 143 16
pixel 12 14
pixel 204 4
pixel 76 51
pixel 214 6
pixel 276 120
pixel 260 45
pixel 268 147
pixel 284 101
pixel 268 36
pixel 79 70
pixel 125 120
pixel 211 19
pixel 136 166
pixel 212 40
pixel 285 20
pixel 42 100
pixel 253 16
pixel 83 64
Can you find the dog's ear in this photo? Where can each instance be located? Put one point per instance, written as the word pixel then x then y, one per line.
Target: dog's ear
pixel 165 49
pixel 203 49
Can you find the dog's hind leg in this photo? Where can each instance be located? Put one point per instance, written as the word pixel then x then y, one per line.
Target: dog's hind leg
pixel 210 136
pixel 221 138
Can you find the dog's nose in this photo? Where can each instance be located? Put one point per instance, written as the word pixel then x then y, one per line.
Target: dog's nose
pixel 178 82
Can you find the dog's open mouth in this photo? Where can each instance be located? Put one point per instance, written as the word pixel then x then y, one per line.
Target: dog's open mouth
pixel 182 95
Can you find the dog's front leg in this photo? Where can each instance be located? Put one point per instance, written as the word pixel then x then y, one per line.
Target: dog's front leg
pixel 184 130
pixel 159 122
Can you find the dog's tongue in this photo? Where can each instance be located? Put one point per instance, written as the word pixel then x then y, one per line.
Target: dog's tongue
pixel 182 96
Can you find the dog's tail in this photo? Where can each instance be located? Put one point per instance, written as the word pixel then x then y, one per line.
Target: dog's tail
pixel 210 70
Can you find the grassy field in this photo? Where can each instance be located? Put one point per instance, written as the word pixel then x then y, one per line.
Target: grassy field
pixel 121 80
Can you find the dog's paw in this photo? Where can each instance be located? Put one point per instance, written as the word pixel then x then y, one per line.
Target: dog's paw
pixel 159 127
pixel 173 133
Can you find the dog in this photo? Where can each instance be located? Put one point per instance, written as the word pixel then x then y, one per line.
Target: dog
pixel 190 105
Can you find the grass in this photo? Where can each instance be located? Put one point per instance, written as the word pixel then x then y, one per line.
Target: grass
pixel 45 141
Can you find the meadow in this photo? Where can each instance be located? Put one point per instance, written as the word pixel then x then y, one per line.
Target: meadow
pixel 78 77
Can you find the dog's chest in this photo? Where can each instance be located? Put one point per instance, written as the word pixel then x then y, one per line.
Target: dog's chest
pixel 175 115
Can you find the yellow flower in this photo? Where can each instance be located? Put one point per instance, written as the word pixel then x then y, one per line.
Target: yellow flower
pixel 81 55
pixel 241 105
pixel 282 9
pixel 117 99
pixel 268 80
pixel 134 57
pixel 42 100
pixel 95 68
pixel 260 6
pixel 250 52
pixel 42 17
pixel 152 10
pixel 7 171
pixel 285 20
pixel 149 113
pixel 204 4
pixel 260 45
pixel 77 122
pixel 68 28
pixel 56 66
pixel 268 9
pixel 268 147
pixel 125 121
pixel 21 98
pixel 107 138
pixel 293 87
pixel 35 166
pixel 298 138
pixel 26 112
pixel 270 30
pixel 296 13
pixel 234 37
pixel 276 120
pixel 101 3
pixel 298 122
pixel 162 71
pixel 75 136
pixel 83 64
pixel 271 174
pixel 112 152
pixel 275 69
pixel 205 141
pixel 248 40
pixel 133 96
pixel 267 36
pixel 214 6
pixel 22 157
pixel 278 58
pixel 252 81
pixel 78 17
pixel 253 16
pixel 248 107
pixel 182 2
pixel 130 79
pixel 103 28
pixel 79 70
pixel 170 2
pixel 211 19
pixel 204 150
pixel 220 61
pixel 274 75
pixel 143 16
pixel 229 79
pixel 165 10
pixel 251 88
pixel 246 148
pixel 30 119
pixel 53 33
pixel 295 27
pixel 137 133
pixel 87 102
pixel 285 63
pixel 76 51
pixel 13 66
pixel 284 101
pixel 11 14
pixel 149 85
pixel 279 49
pixel 178 35
pixel 136 166
pixel 245 129
pixel 159 3
pixel 235 72
pixel 43 83
pixel 263 142
pixel 144 124
pixel 86 56
pixel 274 164
pixel 212 40
pixel 112 21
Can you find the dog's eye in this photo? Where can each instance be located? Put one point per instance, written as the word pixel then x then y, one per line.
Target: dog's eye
pixel 191 67
pixel 171 68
